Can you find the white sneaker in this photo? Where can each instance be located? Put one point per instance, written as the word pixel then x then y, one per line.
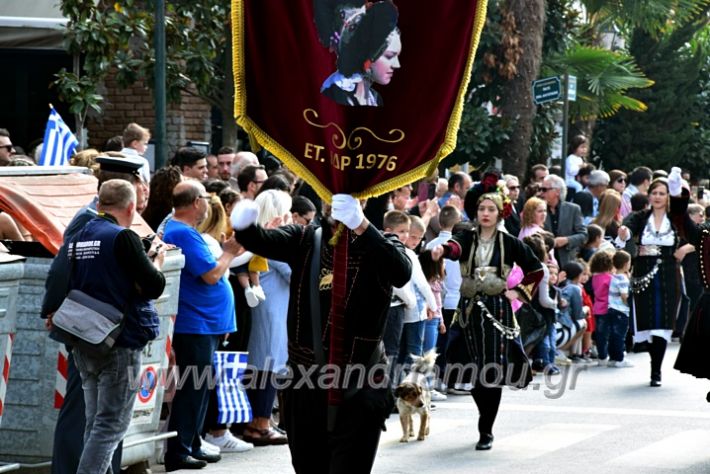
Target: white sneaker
pixel 228 443
pixel 562 359
pixel 259 292
pixel 620 364
pixel 252 299
pixel 209 448
pixel 437 396
pixel 460 389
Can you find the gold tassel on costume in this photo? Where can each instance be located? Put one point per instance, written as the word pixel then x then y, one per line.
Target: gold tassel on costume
pixel 336 235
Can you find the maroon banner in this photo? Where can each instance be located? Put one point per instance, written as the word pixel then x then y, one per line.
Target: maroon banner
pixel 355 97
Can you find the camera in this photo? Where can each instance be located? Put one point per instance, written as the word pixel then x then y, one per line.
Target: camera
pixel 148 242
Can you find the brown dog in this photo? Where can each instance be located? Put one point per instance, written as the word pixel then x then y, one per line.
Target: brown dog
pixel 414 397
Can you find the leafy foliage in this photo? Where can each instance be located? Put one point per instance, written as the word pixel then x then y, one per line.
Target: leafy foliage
pixel 483 133
pixel 651 16
pixel 698 157
pixel 673 129
pixel 603 79
pixel 117 38
pixel 561 27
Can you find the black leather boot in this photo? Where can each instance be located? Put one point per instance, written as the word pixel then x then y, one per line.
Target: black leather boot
pixel 485 442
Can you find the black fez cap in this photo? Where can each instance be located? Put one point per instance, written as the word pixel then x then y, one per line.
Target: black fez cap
pixel 129 165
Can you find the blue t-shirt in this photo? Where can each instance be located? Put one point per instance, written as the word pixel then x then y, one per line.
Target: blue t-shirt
pixel 202 308
pixel 619 285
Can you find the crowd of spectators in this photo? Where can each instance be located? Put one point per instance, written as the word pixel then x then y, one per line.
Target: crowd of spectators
pixel 584 227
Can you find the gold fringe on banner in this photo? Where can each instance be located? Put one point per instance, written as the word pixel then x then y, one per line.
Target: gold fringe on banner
pixel 263 139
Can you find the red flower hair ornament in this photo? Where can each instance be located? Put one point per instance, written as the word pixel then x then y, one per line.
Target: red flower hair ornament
pixel 488 188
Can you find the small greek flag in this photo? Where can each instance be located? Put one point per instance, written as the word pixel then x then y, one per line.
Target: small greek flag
pixel 59 142
pixel 232 402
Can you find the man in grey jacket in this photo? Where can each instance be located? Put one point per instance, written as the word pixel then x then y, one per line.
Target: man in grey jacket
pixel 564 220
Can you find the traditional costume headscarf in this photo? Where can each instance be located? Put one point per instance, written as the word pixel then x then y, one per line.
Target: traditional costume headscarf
pixel 488 188
pixel 358 32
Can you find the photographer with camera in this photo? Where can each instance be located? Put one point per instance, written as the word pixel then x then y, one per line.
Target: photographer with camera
pixel 110 264
pixel 69 430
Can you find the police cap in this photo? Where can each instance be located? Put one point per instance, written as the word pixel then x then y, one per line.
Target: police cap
pixel 119 164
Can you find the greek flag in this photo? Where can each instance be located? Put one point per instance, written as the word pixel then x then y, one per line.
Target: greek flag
pixel 59 142
pixel 232 402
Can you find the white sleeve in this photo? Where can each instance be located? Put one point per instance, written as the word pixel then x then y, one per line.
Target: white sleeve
pixel 572 165
pixel 242 259
pixel 619 243
pixel 423 285
pixel 543 290
pixel 406 294
pixel 433 243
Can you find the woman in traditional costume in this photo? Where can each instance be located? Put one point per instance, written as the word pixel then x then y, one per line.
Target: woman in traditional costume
pixel 365 37
pixel 485 317
pixel 694 351
pixel 652 238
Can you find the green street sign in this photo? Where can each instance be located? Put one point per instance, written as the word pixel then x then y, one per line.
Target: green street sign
pixel 545 90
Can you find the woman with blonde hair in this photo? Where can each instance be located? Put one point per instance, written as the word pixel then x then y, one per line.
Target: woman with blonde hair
pixel 87 159
pixel 271 211
pixel 609 215
pixel 215 228
pixel 533 217
pixel 488 326
pixel 268 339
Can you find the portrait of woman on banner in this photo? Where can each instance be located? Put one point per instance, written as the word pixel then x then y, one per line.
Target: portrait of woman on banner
pixel 365 38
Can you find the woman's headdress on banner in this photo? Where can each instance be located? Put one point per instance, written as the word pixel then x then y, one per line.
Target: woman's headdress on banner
pixel 357 31
pixel 488 188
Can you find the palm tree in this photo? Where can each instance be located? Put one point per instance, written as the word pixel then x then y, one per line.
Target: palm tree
pixel 652 16
pixel 603 79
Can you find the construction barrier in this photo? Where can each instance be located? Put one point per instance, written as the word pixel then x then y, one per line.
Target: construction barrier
pixel 11 270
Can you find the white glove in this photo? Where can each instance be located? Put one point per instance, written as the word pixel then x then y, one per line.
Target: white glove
pixel 244 214
pixel 675 182
pixel 347 210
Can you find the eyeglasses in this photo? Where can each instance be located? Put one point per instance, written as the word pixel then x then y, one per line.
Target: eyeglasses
pixel 513 188
pixel 543 190
pixel 205 196
pixel 620 180
pixel 7 147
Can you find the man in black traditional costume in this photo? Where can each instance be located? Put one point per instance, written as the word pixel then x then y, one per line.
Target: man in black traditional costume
pixel 336 319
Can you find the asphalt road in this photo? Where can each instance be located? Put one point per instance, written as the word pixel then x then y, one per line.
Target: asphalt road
pixel 604 420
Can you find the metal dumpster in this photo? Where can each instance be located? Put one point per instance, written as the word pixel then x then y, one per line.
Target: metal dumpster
pixel 28 427
pixel 43 201
pixel 11 269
